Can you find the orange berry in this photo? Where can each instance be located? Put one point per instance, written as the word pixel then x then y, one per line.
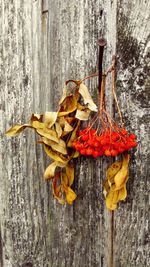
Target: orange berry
pixel 107 153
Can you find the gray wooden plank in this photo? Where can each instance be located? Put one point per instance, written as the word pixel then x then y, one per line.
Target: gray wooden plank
pixel 84 229
pixel 39 52
pixel 23 193
pixel 131 234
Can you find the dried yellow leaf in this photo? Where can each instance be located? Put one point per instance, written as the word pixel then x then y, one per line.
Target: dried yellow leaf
pixel 83 90
pixel 68 106
pixel 82 115
pixel 70 194
pixel 57 191
pixel 18 128
pixel 73 135
pixel 50 118
pixel 54 155
pixel 67 127
pixel 64 178
pixel 59 147
pixel 50 170
pixel 112 170
pixel 121 175
pixel 70 174
pixel 58 129
pixel 122 193
pixel 106 187
pixel 36 117
pixel 37 125
pixel 76 154
pixel 112 199
pixel 49 134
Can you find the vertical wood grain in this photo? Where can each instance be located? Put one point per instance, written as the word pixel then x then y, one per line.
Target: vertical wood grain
pixel 44 43
pixel 131 239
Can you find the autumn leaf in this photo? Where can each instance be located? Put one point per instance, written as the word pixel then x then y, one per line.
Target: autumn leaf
pixel 122 193
pixel 82 115
pixel 106 187
pixel 73 135
pixel 50 118
pixel 53 155
pixel 68 106
pixel 58 129
pixel 50 170
pixel 49 134
pixel 15 130
pixel 121 175
pixel 83 90
pixel 70 174
pixel 70 194
pixel 112 199
pixel 57 190
pixel 67 127
pixel 59 147
pixel 112 171
pixel 76 154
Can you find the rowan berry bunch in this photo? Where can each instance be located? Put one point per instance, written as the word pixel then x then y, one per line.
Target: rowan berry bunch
pixel 108 143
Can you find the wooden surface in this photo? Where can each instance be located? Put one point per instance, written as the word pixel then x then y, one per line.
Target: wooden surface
pixel 43 43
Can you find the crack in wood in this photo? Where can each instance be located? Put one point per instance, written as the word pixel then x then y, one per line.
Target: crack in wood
pixel 44 6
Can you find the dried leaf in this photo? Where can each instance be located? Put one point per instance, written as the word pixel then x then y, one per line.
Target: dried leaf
pixel 70 174
pixel 18 128
pixel 122 193
pixel 112 199
pixel 68 106
pixel 64 178
pixel 70 194
pixel 82 115
pixel 36 117
pixel 58 129
pixel 121 175
pixel 67 127
pixel 50 170
pixel 57 190
pixel 54 155
pixel 50 118
pixel 112 170
pixel 83 90
pixel 59 147
pixel 49 134
pixel 106 186
pixel 36 121
pixel 73 135
pixel 37 125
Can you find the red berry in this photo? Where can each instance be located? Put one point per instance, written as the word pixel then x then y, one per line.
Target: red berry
pixel 95 154
pixel 90 142
pixel 96 144
pixel 83 151
pixel 132 136
pixel 84 137
pixel 114 152
pixel 89 151
pixel 124 132
pixel 107 153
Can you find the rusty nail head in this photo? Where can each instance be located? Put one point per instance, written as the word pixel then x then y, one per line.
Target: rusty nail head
pixel 102 42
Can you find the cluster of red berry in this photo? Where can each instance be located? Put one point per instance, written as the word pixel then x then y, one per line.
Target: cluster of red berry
pixel 108 143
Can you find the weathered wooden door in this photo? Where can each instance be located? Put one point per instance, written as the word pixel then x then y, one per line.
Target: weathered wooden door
pixel 43 43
